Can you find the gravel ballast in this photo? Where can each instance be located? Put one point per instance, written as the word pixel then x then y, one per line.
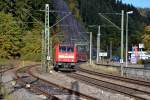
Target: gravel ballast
pixel 17 93
pixel 62 79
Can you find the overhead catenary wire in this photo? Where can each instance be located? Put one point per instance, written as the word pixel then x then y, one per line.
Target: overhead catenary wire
pixel 33 17
pixel 60 20
pixel 109 21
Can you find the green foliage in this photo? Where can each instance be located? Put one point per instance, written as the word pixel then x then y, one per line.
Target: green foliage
pixel 146 37
pixel 73 5
pixel 135 38
pixel 15 42
pixel 25 42
pixel 32 43
pixel 89 10
pixel 25 10
pixel 145 12
pixel 146 61
pixel 10 37
pixel 18 8
pixel 140 61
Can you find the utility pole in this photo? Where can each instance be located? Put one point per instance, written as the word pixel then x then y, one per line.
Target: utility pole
pixel 98 43
pixel 122 46
pixel 110 50
pixel 127 13
pixel 90 47
pixel 47 42
pixel 122 33
pixel 43 56
pixel 127 40
pixel 47 38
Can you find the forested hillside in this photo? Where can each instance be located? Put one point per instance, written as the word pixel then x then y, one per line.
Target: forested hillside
pixel 22 22
pixel 89 10
pixel 21 25
pixel 145 12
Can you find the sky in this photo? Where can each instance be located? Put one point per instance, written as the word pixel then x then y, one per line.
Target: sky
pixel 138 3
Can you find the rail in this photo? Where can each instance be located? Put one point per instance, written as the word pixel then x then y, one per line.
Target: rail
pixel 112 86
pixel 44 86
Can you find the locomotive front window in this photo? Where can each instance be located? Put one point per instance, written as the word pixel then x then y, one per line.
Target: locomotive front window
pixel 62 49
pixel 66 49
pixel 69 49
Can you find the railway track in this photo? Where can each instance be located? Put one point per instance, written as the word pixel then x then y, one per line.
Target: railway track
pixel 27 81
pixel 5 68
pixel 132 92
pixel 49 89
pixel 115 77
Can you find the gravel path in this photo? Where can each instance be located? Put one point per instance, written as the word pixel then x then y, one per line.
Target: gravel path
pixel 62 79
pixel 17 93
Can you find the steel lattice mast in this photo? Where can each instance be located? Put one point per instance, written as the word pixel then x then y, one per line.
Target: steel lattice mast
pixel 46 43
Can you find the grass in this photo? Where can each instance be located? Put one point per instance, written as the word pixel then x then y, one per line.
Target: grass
pixel 3 61
pixel 24 65
pixel 14 63
pixel 102 69
pixel 17 62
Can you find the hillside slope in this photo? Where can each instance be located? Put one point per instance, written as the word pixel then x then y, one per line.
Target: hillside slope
pixel 89 10
pixel 145 12
pixel 70 26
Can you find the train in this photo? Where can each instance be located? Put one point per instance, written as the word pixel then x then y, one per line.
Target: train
pixel 66 57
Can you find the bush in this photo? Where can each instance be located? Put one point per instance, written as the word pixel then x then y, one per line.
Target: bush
pixel 140 61
pixel 147 61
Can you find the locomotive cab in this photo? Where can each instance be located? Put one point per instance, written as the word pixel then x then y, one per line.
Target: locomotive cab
pixel 65 57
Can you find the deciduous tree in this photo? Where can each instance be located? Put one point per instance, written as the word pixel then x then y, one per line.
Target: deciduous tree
pixel 10 36
pixel 146 37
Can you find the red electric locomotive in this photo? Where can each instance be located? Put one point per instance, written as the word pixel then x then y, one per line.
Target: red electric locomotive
pixel 65 57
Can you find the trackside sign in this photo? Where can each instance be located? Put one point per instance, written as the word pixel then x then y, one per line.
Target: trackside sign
pixel 103 54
